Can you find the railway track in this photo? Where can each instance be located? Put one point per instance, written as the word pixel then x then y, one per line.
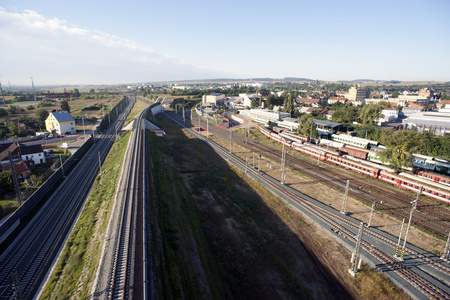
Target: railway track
pixel 29 258
pixel 347 227
pixel 394 202
pixel 432 217
pixel 120 274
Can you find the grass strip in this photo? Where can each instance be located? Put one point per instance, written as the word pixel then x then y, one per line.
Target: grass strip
pixel 75 269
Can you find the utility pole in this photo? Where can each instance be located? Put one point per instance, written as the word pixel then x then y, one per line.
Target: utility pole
pixel 283 165
pixel 413 207
pixel 231 140
pixel 445 255
pixel 32 85
pixel 344 206
pixel 99 162
pixel 62 168
pixel 371 212
pixel 15 181
pixel 246 164
pixel 399 238
pixel 84 131
pixel 207 128
pixel 356 256
pixel 259 162
pixel 184 116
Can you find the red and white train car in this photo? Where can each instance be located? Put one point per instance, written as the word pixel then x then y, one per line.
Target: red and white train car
pixel 310 150
pixel 405 181
pixel 274 136
pixel 436 177
pixel 264 131
pixel 353 165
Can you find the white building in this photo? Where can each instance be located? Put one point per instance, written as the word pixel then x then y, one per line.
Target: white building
pixel 265 116
pixel 32 153
pixel 247 99
pixel 289 123
pixel 437 122
pixel 389 114
pixel 216 99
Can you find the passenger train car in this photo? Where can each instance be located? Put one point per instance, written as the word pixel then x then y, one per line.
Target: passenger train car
pixel 440 178
pixel 404 180
pixel 354 141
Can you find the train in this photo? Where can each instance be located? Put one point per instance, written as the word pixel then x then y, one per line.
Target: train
pixel 435 177
pixel 383 173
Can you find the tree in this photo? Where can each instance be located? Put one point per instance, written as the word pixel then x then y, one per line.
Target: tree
pixel 6 182
pixel 42 114
pixel 253 103
pixel 400 145
pixel 30 107
pixel 289 104
pixel 369 114
pixel 3 112
pixel 13 110
pixel 65 106
pixel 76 93
pixel 307 126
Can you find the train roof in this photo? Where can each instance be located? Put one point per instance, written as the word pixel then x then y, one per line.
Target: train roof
pixel 426 182
pixel 446 177
pixel 370 164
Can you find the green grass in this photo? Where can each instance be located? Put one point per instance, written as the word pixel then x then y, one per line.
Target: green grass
pixel 78 262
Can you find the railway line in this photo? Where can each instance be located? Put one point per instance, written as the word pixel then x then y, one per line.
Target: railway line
pixel 26 262
pixel 122 268
pixel 432 217
pixel 377 245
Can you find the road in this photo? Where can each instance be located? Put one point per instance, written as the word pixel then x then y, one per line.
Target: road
pixel 27 261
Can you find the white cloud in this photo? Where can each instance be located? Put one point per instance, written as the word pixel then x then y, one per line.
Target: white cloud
pixel 54 51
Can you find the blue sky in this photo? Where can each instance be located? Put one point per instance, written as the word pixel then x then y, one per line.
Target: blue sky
pixel 109 42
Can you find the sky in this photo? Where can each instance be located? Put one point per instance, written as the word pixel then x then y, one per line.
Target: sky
pixel 112 42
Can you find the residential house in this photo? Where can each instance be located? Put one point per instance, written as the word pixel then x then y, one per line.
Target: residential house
pixel 327 114
pixel 32 154
pixel 307 102
pixel 61 122
pixel 20 168
pixel 333 100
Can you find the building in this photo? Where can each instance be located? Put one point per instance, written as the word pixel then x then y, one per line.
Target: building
pixel 216 99
pixel 425 93
pixel 326 128
pixel 20 168
pixel 32 154
pixel 247 99
pixel 436 122
pixel 265 116
pixel 61 122
pixel 289 123
pixel 443 104
pixel 389 114
pixel 333 100
pixel 308 101
pixel 357 94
